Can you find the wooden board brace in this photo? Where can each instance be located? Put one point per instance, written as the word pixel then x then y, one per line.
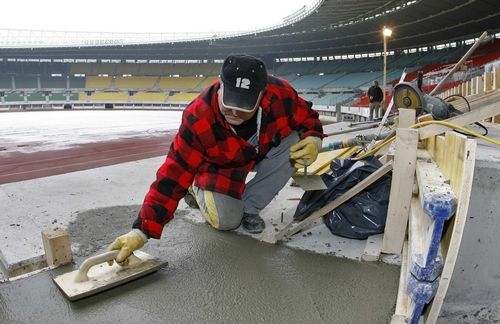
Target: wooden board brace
pixel 401 190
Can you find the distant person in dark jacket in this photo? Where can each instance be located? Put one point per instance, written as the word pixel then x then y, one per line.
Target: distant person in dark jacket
pixel 376 96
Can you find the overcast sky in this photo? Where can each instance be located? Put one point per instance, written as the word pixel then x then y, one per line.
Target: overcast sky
pixel 146 15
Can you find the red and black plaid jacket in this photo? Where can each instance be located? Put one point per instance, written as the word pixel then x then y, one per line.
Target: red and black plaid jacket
pixel 207 150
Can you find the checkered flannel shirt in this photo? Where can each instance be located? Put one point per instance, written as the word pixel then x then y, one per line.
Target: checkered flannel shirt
pixel 208 151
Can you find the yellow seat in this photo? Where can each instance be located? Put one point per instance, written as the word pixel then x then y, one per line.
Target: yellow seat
pixel 139 82
pixel 97 82
pixel 183 97
pixel 180 83
pixel 149 96
pixel 207 82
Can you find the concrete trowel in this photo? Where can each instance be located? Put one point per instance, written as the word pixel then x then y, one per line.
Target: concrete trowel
pixel 309 182
pixel 95 275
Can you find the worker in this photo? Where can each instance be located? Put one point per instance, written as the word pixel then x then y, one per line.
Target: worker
pixel 247 120
pixel 376 96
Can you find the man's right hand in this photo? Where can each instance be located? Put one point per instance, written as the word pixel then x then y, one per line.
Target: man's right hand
pixel 127 243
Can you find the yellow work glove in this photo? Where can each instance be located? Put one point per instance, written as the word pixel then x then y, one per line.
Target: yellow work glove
pixel 305 151
pixel 127 243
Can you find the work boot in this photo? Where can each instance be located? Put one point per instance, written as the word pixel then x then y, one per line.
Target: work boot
pixel 190 200
pixel 253 223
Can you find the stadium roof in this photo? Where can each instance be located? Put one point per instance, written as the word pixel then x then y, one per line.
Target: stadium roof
pixel 336 27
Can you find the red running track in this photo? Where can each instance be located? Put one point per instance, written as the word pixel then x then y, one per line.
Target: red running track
pixel 18 166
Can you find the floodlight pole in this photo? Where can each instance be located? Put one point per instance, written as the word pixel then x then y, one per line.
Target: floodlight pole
pixel 385 75
pixel 386 32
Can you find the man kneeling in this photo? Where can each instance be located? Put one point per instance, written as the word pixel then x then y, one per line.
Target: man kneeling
pixel 247 120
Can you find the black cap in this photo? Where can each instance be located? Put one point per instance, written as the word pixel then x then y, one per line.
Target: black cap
pixel 243 78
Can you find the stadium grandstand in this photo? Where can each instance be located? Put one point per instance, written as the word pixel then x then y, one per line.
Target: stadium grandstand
pixel 330 53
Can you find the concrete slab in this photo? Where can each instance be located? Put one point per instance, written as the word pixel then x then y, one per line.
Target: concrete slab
pixel 212 277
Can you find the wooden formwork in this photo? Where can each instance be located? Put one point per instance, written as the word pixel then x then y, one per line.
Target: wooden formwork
pixel 454 154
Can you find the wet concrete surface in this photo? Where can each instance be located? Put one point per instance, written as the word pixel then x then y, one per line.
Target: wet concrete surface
pixel 470 314
pixel 212 277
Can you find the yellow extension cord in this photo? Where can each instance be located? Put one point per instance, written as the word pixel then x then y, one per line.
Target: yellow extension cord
pixel 425 123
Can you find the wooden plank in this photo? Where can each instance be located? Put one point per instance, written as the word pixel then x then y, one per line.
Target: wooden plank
pixel 496 78
pixel 452 162
pixel 406 117
pixel 346 154
pixel 402 301
pixel 479 85
pixel 464 155
pixel 57 247
pixel 488 80
pixel 293 227
pixel 401 190
pixel 373 248
pixel 324 159
pixel 439 153
pixel 477 114
pixel 386 158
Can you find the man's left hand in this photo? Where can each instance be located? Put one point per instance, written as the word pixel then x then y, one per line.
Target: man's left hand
pixel 305 151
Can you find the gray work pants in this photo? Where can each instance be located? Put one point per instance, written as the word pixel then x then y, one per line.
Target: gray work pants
pixel 374 110
pixel 271 174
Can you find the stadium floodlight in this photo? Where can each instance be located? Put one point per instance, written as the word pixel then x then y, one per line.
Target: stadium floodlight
pixel 387 32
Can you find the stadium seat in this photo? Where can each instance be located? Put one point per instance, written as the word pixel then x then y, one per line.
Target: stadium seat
pixel 94 82
pixel 11 97
pixel 139 82
pixel 207 82
pixel 58 97
pixel 314 81
pixel 181 83
pixel 149 96
pixel 182 97
pixel 36 97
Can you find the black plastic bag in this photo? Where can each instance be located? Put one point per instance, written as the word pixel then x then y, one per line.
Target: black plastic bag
pixel 364 214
